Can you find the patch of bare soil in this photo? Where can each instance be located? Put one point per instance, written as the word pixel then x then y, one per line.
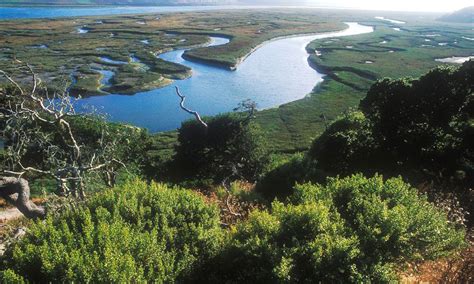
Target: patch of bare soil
pixel 8 214
pixel 456 269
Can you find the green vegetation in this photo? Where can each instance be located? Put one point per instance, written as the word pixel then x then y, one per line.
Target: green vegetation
pixel 59 52
pixel 411 126
pixel 351 230
pixel 344 211
pixel 250 31
pixel 418 128
pixel 351 71
pixel 230 147
pixel 134 233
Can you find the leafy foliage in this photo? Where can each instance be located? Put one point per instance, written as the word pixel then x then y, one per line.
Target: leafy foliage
pixel 421 125
pixel 279 181
pixel 134 233
pixel 354 229
pixel 352 140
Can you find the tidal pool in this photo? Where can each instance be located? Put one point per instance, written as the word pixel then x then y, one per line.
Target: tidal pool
pixel 276 73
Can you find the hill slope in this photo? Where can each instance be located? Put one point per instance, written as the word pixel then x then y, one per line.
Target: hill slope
pixel 465 15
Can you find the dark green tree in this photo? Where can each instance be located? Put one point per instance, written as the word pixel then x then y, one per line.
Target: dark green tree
pixel 221 148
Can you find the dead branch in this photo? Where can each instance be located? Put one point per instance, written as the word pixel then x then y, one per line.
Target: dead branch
pixel 195 113
pixel 227 200
pixel 39 120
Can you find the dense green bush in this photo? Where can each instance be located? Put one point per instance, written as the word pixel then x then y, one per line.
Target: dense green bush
pixel 392 221
pixel 351 230
pixel 415 126
pixel 279 181
pixel 421 129
pixel 134 233
pixel 231 146
pixel 347 144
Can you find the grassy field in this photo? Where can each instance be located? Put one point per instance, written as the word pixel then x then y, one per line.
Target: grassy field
pixel 58 51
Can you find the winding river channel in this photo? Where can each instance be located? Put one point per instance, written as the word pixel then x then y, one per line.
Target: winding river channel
pixel 276 73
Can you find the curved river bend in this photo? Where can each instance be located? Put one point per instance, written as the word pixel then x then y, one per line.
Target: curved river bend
pixel 276 73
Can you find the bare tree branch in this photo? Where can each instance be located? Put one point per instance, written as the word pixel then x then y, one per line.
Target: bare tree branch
pixel 44 123
pixel 195 113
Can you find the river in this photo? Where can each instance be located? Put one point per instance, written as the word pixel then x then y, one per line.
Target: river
pixel 276 73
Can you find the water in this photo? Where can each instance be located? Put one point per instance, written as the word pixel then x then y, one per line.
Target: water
pixel 57 12
pixel 390 20
pixel 107 76
pixel 111 61
pixel 276 73
pixel 82 30
pixel 455 59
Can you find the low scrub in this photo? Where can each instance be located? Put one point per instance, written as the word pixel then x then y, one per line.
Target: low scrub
pixel 134 233
pixel 354 229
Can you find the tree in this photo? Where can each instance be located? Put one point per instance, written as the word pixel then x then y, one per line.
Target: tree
pixel 422 126
pixel 221 148
pixel 43 138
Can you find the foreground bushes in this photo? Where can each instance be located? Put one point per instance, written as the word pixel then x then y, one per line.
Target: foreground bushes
pixel 134 233
pixel 352 230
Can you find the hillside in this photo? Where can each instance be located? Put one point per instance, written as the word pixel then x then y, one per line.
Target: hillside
pixel 465 15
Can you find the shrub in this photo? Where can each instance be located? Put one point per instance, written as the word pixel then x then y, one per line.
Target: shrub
pixel 279 181
pixel 230 146
pixel 134 233
pixel 390 219
pixel 347 144
pixel 355 229
pixel 409 126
